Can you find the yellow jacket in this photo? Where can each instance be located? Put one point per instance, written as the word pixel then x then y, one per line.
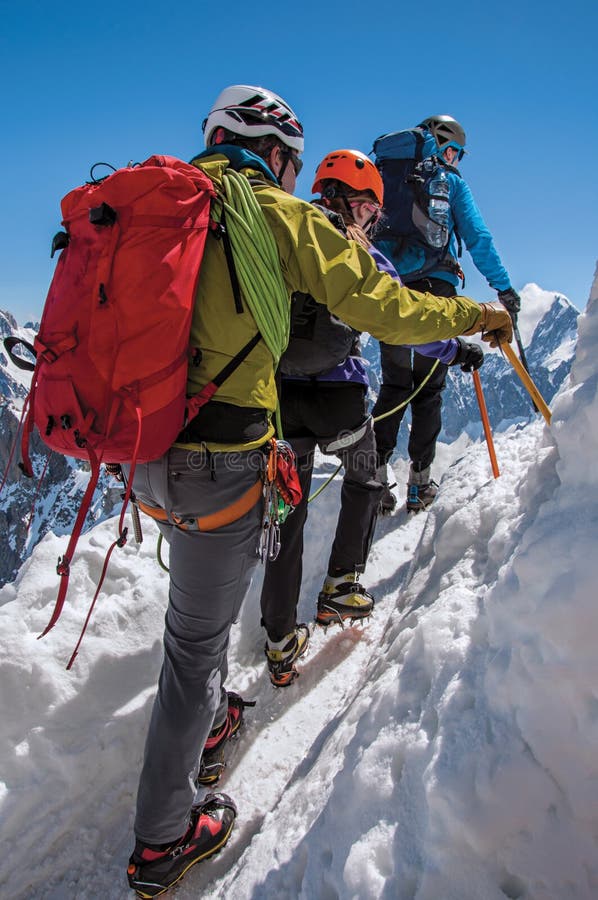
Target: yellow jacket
pixel 315 259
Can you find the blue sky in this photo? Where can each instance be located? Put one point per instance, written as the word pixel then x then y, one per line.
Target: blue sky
pixel 117 82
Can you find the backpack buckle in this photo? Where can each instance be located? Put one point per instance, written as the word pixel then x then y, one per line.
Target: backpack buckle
pixel 102 215
pixel 59 242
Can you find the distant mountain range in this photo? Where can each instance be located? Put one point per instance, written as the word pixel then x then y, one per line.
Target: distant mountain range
pixel 548 328
pixel 31 507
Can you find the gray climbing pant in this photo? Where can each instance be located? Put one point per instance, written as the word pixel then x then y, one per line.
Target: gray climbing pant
pixel 210 574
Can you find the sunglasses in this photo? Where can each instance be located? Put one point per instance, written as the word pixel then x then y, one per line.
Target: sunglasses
pixel 460 150
pixel 369 205
pixel 296 163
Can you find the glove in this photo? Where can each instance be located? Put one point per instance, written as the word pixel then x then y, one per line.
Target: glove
pixel 495 324
pixel 511 300
pixel 469 356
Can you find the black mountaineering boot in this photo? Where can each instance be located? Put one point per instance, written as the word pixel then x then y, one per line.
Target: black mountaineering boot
pixel 388 500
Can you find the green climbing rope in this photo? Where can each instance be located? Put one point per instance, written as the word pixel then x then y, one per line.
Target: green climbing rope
pixel 390 412
pixel 161 563
pixel 257 263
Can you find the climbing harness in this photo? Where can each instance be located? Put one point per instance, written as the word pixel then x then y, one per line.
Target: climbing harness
pixel 278 487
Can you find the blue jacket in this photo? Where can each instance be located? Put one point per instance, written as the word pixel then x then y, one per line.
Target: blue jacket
pixel 465 216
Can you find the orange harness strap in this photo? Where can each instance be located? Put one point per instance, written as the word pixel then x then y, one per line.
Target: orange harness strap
pixel 219 519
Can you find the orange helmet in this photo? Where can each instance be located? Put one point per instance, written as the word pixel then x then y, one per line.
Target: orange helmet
pixel 352 168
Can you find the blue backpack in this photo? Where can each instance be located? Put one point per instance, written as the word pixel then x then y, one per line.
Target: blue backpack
pixel 416 202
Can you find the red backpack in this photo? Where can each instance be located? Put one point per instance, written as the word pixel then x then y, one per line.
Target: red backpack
pixel 112 351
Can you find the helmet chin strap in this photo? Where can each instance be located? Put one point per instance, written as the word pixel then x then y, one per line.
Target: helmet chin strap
pixel 283 166
pixel 369 224
pixel 283 169
pixel 331 192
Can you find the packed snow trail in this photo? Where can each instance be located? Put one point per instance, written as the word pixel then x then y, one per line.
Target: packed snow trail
pixel 73 752
pixel 361 725
pixel 79 736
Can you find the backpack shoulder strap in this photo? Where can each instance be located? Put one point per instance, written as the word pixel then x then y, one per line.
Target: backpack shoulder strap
pixel 219 230
pixel 420 140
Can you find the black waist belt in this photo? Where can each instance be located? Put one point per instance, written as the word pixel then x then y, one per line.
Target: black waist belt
pixel 224 423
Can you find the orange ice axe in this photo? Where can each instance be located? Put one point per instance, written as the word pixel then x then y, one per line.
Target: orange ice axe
pixel 485 422
pixel 527 382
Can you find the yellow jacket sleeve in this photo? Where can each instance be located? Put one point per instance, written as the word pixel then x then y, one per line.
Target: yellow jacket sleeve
pixel 316 259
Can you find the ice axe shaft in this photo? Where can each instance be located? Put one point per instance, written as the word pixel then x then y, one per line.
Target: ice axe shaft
pixel 485 422
pixel 522 356
pixel 519 342
pixel 527 382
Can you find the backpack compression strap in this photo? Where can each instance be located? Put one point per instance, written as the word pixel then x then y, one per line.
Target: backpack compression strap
pixel 63 566
pixel 200 399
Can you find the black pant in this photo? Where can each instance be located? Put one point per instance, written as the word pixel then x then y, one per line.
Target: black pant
pixel 315 414
pixel 403 370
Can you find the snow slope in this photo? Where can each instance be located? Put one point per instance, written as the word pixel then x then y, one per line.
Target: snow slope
pixel 445 751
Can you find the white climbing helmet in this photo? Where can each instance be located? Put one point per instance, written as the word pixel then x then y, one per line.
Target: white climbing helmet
pixel 253 112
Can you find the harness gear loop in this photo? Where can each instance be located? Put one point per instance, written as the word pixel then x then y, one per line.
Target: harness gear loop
pixel 282 492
